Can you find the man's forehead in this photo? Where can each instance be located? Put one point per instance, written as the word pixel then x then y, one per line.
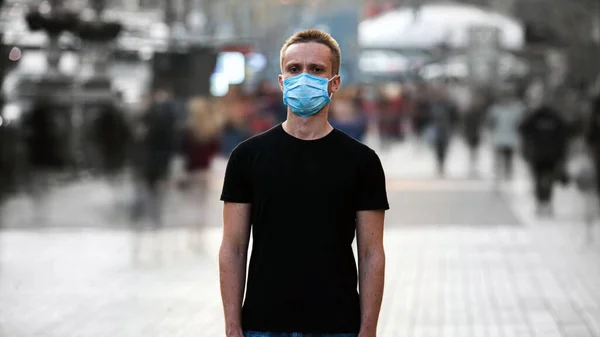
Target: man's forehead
pixel 307 51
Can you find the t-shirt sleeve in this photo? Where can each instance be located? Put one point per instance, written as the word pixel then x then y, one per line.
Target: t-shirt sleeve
pixel 237 186
pixel 372 193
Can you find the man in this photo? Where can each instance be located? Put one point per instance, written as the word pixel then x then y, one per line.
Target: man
pixel 304 188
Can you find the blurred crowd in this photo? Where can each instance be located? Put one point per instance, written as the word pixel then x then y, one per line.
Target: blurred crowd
pixel 558 138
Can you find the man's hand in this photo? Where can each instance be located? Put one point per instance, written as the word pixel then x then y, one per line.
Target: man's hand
pixel 371 267
pixel 235 332
pixel 232 264
pixel 367 334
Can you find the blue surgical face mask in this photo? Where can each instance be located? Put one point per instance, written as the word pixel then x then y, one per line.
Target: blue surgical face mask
pixel 306 94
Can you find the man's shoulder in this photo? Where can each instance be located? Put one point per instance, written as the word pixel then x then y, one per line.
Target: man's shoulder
pixel 258 141
pixel 354 146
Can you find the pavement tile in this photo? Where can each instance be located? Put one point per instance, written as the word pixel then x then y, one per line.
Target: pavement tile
pixel 517 330
pixel 576 331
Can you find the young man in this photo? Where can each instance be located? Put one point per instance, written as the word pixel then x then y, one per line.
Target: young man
pixel 305 188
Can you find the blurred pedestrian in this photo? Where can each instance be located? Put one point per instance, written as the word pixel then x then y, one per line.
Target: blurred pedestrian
pixel 112 137
pixel 10 158
pixel 201 139
pixel 581 167
pixel 305 189
pixel 260 117
pixel 237 109
pixel 421 114
pixel 157 147
pixel 391 115
pixel 593 135
pixel 592 138
pixel 472 128
pixel 443 118
pixel 201 145
pixel 504 117
pixel 46 137
pixel 271 101
pixel 346 116
pixel 545 137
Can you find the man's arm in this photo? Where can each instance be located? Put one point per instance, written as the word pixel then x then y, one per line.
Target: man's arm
pixel 232 264
pixel 371 266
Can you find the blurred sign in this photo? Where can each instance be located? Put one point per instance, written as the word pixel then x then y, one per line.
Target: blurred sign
pixel 219 85
pixel 382 61
pixel 232 65
pixel 257 62
pixel 483 51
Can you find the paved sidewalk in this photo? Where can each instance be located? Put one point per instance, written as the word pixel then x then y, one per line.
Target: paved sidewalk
pixel 441 281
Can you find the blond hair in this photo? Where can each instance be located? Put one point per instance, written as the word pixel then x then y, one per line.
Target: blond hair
pixel 318 36
pixel 204 121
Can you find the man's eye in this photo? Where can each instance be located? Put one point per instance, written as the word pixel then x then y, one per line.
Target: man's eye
pixel 293 69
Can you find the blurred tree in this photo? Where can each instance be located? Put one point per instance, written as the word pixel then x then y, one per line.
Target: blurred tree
pixel 564 25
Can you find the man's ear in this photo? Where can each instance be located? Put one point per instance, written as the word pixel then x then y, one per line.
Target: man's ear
pixel 335 83
pixel 280 80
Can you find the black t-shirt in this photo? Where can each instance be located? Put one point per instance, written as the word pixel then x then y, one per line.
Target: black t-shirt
pixel 304 195
pixel 545 135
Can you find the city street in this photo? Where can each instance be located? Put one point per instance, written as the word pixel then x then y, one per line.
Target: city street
pixel 463 259
pixel 89 87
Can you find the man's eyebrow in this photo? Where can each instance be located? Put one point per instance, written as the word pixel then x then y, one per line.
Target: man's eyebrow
pixel 295 63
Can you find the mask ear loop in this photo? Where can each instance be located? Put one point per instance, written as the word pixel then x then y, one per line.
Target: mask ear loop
pixel 331 79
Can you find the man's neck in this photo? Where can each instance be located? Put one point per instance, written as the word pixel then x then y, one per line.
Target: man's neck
pixel 311 128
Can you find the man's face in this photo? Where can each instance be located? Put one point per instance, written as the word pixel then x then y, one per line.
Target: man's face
pixel 312 58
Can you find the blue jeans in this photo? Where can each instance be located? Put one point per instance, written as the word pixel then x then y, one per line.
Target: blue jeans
pixel 296 334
